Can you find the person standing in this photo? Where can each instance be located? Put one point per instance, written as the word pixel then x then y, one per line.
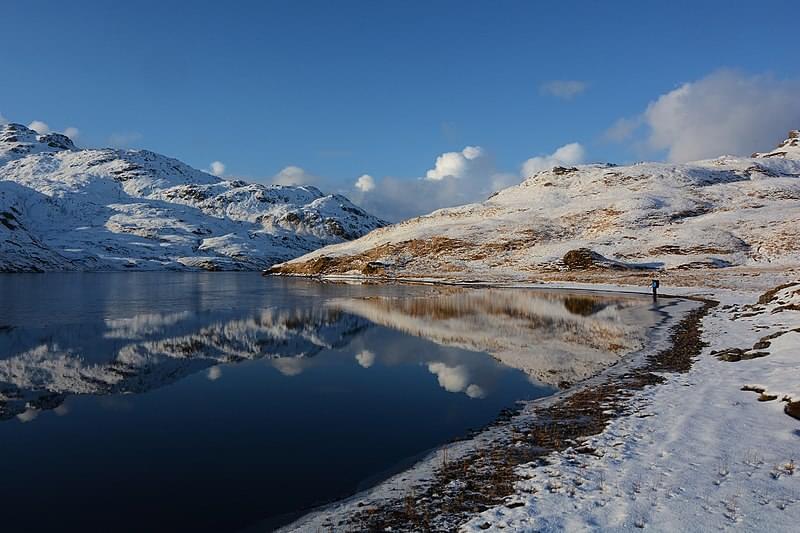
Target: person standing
pixel 654 284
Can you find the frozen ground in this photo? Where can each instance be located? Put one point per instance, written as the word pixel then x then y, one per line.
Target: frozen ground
pixel 700 453
pixel 710 449
pixel 696 453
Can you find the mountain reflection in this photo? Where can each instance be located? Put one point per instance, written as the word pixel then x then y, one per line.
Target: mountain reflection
pixel 551 337
pixel 153 350
pixel 555 338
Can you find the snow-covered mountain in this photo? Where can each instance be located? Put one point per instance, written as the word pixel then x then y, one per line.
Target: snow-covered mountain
pixel 63 208
pixel 706 214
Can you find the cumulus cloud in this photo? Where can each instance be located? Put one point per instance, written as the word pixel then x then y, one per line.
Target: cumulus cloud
pixel 293 175
pixel 72 132
pixel 214 373
pixel 365 358
pixel 39 127
pixel 455 164
pixel 365 183
pixel 564 89
pixel 217 168
pixel 569 154
pixel 726 112
pixel 456 178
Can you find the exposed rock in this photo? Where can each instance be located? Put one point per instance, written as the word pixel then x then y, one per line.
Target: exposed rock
pixel 582 258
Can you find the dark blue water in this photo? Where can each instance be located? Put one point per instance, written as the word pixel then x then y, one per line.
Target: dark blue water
pixel 213 402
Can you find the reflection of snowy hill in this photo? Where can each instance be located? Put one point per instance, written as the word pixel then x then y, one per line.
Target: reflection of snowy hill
pixel 152 355
pixel 550 337
pixel 63 208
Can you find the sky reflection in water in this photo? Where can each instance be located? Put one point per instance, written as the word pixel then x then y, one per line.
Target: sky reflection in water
pixel 219 401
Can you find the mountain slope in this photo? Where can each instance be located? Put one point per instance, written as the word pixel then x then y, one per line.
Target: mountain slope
pixel 63 208
pixel 706 214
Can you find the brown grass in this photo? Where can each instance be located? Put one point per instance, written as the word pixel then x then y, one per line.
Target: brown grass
pixel 770 295
pixel 792 409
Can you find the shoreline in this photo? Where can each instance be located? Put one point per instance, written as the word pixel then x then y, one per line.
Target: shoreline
pixel 380 507
pixel 462 468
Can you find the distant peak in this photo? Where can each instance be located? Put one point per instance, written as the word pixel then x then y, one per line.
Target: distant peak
pixel 13 133
pixel 57 140
pixel 17 133
pixel 790 148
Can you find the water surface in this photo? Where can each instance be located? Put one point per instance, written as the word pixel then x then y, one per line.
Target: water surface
pixel 215 402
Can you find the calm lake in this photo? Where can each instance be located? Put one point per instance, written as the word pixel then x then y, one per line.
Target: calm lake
pixel 225 401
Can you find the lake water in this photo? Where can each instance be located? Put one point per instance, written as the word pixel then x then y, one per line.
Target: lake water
pixel 218 402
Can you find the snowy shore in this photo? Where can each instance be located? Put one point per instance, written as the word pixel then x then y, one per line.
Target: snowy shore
pixel 694 452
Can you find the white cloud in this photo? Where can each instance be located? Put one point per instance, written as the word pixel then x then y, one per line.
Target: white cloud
pixel 564 89
pixel 217 168
pixel 214 373
pixel 293 175
pixel 455 164
pixel 39 127
pixel 726 112
pixel 123 140
pixel 457 178
pixel 365 183
pixel 569 154
pixel 3 120
pixel 72 132
pixel 365 358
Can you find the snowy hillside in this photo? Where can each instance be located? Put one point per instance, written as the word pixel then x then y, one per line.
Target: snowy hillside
pixel 706 214
pixel 63 208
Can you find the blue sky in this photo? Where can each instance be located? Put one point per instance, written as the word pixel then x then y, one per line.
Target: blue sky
pixel 346 88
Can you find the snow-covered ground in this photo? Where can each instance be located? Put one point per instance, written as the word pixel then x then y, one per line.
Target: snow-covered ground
pixel 713 448
pixel 63 208
pixel 695 453
pixel 728 211
pixel 699 454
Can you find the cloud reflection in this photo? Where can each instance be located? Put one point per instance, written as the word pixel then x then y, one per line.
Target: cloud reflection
pixel 365 358
pixel 455 379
